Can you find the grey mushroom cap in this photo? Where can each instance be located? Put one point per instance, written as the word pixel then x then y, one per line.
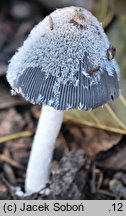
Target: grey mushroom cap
pixel 66 62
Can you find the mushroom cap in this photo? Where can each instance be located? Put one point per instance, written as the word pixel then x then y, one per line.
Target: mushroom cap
pixel 66 62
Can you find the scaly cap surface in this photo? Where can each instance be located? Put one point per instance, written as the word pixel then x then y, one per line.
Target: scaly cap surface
pixel 66 62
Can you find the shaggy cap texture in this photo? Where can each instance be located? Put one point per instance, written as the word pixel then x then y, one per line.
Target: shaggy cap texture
pixel 66 62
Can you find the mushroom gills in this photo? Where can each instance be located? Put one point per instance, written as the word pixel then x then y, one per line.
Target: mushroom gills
pixel 86 95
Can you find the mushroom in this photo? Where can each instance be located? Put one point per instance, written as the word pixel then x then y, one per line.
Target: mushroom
pixel 65 63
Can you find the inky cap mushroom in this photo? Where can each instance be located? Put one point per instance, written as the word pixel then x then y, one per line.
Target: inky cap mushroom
pixel 66 63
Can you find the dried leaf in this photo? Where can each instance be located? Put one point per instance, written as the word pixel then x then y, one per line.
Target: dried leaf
pixel 96 140
pixel 10 122
pixel 111 117
pixel 115 160
pixel 92 140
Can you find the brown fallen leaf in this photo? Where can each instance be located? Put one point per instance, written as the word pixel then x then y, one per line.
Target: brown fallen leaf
pixel 96 140
pixel 10 122
pixel 92 140
pixel 115 160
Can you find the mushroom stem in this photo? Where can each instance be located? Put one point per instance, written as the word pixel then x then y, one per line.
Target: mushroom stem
pixel 37 174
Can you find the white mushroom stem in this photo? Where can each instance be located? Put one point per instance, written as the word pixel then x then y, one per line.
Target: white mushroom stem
pixel 37 174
